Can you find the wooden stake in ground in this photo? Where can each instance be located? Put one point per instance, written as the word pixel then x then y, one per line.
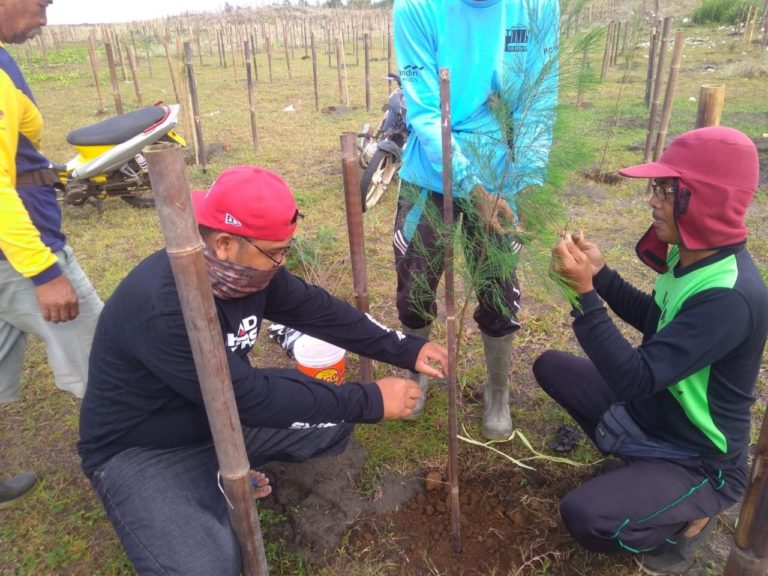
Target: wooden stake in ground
pixel 92 58
pixel 669 94
pixel 354 209
pixel 314 69
pixel 113 77
pixel 367 74
pixel 657 89
pixel 711 100
pixel 651 66
pixel 450 307
pixel 199 141
pixel 749 551
pixel 135 75
pixel 185 252
pixel 251 105
pixel 172 72
pixel 268 42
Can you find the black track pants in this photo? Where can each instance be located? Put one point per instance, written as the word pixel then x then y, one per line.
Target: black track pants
pixel 645 504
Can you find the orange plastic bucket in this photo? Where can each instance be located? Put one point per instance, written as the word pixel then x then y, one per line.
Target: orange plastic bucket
pixel 320 359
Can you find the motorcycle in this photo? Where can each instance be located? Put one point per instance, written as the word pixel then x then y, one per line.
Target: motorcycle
pixel 109 161
pixel 381 152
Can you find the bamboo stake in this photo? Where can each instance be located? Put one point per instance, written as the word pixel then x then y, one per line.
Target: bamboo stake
pixel 200 144
pixel 354 209
pixel 185 252
pixel 135 76
pixel 367 74
pixel 269 56
pixel 450 307
pixel 255 49
pixel 149 60
pixel 314 69
pixel 657 88
pixel 607 51
pixel 670 94
pixel 651 66
pixel 172 72
pixel 113 77
pixel 251 105
pixel 711 100
pixel 92 58
pixel 287 53
pixel 120 59
pixel 749 551
pixel 341 68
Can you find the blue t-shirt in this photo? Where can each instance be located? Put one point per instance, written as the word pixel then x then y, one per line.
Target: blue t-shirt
pixel 506 48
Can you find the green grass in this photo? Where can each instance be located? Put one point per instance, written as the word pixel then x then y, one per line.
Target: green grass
pixel 61 528
pixel 723 11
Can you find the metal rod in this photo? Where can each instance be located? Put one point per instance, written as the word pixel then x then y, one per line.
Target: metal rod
pixel 450 306
pixel 185 251
pixel 354 208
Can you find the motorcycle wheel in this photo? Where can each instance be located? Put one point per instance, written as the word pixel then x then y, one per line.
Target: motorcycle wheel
pixel 378 175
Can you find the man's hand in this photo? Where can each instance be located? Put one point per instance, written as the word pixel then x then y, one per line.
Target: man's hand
pixel 399 396
pixel 573 264
pixel 492 209
pixel 57 300
pixel 431 351
pixel 592 251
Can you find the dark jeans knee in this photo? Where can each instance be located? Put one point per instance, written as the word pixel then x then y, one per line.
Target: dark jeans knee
pixel 580 520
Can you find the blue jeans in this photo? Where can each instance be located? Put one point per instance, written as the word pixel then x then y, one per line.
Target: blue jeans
pixel 166 507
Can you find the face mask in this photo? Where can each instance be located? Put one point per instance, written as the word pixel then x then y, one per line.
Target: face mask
pixel 230 280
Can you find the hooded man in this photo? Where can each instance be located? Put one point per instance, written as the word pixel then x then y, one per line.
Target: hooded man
pixel 145 440
pixel 676 409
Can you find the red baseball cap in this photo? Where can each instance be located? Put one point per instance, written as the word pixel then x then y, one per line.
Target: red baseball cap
pixel 718 171
pixel 248 201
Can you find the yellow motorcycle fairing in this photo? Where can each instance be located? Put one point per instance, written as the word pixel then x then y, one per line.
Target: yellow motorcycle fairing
pixel 176 138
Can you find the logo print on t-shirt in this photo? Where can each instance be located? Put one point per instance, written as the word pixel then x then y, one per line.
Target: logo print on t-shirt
pixel 246 335
pixel 516 39
pixel 411 73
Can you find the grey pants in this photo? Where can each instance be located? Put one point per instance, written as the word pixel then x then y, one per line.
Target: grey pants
pixel 68 344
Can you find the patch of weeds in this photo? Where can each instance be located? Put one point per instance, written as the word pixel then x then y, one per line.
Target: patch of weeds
pixel 279 559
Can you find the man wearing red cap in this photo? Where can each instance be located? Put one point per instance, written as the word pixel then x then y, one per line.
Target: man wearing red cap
pixel 145 440
pixel 676 409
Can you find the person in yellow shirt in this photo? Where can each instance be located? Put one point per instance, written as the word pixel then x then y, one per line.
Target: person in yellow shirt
pixel 43 290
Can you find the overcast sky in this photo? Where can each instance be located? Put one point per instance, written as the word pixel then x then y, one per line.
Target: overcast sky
pixel 98 11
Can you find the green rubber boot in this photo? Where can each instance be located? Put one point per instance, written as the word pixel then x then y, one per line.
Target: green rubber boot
pixel 497 421
pixel 420 378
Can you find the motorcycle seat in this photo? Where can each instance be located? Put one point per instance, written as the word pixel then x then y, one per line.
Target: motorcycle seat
pixel 117 129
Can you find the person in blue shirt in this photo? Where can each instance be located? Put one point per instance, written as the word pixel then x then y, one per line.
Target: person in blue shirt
pixel 502 57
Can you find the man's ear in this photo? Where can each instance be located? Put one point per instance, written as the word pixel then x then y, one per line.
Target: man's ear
pixel 224 245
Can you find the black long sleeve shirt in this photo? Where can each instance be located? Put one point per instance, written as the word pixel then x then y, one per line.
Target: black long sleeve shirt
pixel 143 388
pixel 719 333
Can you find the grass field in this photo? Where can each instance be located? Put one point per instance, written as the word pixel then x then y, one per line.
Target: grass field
pixel 61 528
